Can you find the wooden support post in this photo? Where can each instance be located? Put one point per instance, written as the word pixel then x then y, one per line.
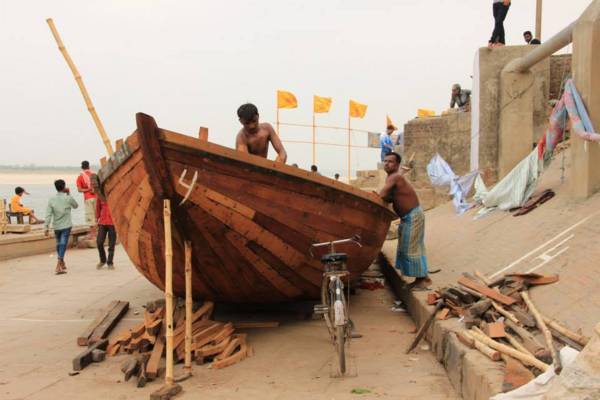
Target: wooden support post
pixel 168 290
pixel 547 334
pixel 203 134
pixel 188 306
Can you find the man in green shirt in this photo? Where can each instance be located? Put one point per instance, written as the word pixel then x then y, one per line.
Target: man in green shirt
pixel 59 213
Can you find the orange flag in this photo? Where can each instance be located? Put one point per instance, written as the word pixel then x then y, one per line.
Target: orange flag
pixel 357 110
pixel 286 99
pixel 321 104
pixel 388 122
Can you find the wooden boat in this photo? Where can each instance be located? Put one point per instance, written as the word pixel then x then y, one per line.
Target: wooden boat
pixel 251 221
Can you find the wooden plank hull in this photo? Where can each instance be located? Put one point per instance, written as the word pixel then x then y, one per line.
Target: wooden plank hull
pixel 251 221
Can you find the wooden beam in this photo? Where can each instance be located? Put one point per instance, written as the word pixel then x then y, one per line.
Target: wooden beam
pixel 110 321
pixel 203 133
pixel 484 290
pixel 84 359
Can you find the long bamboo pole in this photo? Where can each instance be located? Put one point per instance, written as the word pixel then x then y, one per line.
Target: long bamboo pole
pixel 168 289
pixel 542 327
pixel 188 306
pixel 84 93
pixel 526 358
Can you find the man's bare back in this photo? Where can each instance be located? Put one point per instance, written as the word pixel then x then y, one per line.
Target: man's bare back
pixel 254 137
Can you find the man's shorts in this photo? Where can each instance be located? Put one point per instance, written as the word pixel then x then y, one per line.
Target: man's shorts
pixel 90 212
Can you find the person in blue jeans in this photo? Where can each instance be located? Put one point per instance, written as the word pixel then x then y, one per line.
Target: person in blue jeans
pixel 58 212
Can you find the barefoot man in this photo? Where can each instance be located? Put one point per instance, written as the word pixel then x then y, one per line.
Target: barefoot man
pixel 254 137
pixel 410 256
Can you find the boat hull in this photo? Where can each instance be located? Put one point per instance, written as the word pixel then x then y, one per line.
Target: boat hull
pixel 250 221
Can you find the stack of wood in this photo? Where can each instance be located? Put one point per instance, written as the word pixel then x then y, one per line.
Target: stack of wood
pixel 503 323
pixel 212 341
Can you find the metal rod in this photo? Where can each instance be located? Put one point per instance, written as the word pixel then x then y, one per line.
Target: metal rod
pixel 325 126
pixel 555 43
pixel 314 151
pixel 349 148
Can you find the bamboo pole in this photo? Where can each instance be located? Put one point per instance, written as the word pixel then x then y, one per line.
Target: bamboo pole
pixel 84 93
pixel 517 345
pixel 505 313
pixel 547 334
pixel 168 290
pixel 188 306
pixel 577 338
pixel 526 358
pixel 483 348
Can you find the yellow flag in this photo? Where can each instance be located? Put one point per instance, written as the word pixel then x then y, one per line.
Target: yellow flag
pixel 357 110
pixel 388 122
pixel 321 104
pixel 286 99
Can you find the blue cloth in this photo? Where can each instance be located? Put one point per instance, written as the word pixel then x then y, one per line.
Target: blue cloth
pixel 385 141
pixel 62 240
pixel 410 255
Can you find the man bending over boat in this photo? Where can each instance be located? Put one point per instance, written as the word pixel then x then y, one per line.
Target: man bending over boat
pixel 410 255
pixel 254 137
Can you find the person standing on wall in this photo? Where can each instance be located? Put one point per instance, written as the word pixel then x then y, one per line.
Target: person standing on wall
pixel 106 227
pixel 58 212
pixel 84 185
pixel 500 10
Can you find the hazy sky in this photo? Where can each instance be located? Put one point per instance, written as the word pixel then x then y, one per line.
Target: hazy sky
pixel 192 63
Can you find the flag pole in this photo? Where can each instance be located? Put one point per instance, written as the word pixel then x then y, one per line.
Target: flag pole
pixel 349 148
pixel 277 122
pixel 314 157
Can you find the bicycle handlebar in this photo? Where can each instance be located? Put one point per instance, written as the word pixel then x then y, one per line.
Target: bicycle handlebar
pixel 355 239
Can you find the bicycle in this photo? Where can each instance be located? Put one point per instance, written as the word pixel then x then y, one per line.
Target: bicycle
pixel 334 306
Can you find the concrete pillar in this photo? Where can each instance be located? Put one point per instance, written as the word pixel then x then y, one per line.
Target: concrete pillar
pixel 585 165
pixel 516 119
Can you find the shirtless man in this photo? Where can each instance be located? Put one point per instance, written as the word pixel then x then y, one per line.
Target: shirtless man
pixel 410 256
pixel 254 137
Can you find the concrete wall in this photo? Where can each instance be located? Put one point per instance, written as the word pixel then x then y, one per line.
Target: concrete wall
pixel 492 101
pixel 560 69
pixel 448 135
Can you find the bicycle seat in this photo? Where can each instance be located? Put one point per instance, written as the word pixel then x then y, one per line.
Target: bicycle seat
pixel 334 257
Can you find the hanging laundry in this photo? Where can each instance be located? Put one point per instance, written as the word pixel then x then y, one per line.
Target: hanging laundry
pixel 441 174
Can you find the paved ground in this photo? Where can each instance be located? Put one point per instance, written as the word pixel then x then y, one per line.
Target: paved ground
pixel 42 314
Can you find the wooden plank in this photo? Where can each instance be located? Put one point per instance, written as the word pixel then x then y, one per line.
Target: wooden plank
pixel 83 338
pixel 85 358
pixel 118 143
pixel 203 134
pixel 484 290
pixel 153 159
pixel 212 349
pixel 264 269
pixel 231 359
pixel 155 356
pixel 110 321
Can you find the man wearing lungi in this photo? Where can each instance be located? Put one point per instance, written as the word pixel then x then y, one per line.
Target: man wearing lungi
pixel 410 256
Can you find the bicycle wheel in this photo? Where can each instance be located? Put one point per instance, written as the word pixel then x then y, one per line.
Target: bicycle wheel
pixel 341 346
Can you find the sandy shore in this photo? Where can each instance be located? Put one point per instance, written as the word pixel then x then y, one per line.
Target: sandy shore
pixel 33 178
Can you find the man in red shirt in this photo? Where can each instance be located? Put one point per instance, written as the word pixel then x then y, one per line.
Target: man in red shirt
pixel 84 186
pixel 105 226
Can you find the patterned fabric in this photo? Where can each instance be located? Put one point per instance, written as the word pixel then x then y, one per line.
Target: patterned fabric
pixel 410 255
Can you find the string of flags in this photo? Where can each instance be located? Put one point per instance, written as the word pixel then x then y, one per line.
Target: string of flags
pixel 321 105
